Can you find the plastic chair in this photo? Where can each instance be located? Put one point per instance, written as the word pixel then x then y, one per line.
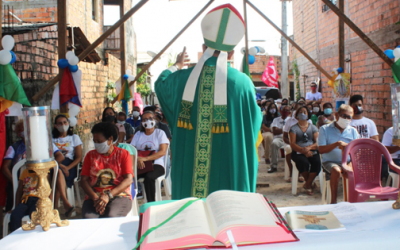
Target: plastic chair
pixel 365 178
pixel 159 180
pixel 18 166
pixel 394 178
pixel 75 188
pixel 134 210
pixel 295 179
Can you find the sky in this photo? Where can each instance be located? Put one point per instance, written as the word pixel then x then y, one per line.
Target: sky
pixel 158 21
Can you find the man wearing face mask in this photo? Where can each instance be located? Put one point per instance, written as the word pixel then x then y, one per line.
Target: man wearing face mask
pixel 135 120
pixel 327 117
pixel 332 139
pixel 128 128
pixel 277 143
pixel 365 127
pixel 109 115
pixel 314 95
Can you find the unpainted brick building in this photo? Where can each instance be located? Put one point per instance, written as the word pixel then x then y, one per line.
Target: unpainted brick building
pixel 316 31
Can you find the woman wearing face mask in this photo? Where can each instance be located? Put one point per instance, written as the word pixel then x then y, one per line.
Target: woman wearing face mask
pixel 107 176
pixel 70 146
pixel 327 117
pixel 109 115
pixel 316 111
pixel 303 141
pixel 150 138
pixel 268 136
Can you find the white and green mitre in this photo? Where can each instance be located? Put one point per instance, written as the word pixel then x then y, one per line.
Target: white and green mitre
pixel 223 28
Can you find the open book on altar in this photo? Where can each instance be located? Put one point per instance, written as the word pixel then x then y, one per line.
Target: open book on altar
pixel 250 217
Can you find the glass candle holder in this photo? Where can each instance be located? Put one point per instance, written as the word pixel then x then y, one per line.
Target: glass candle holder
pixel 38 139
pixel 396 113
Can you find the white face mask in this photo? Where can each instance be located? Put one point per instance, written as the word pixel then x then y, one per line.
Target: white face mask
pixel 102 148
pixel 63 128
pixel 149 124
pixel 121 122
pixel 343 123
pixel 135 114
pixel 315 109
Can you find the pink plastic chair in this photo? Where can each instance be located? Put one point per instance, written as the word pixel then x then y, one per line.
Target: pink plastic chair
pixel 365 177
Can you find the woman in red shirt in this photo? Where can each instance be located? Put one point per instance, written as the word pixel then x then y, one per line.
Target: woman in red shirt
pixel 107 176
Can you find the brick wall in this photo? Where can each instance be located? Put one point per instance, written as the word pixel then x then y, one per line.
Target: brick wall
pixel 33 11
pixel 317 33
pixel 36 64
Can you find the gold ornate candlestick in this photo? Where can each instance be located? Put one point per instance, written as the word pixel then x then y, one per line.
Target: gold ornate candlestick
pixel 39 158
pixel 396 205
pixel 44 215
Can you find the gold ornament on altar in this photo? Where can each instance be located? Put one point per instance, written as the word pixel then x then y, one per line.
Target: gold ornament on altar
pixel 39 158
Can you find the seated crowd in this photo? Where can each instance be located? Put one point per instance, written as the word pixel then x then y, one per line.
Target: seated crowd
pixel 314 137
pixel 107 175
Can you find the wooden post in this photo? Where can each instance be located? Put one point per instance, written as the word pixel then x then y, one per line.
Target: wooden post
pixel 1 21
pixel 246 34
pixel 122 42
pixel 291 41
pixel 94 45
pixel 167 46
pixel 341 36
pixel 62 38
pixel 359 32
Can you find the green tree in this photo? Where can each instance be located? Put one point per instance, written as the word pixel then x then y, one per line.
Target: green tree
pixel 142 79
pixel 144 89
pixel 297 78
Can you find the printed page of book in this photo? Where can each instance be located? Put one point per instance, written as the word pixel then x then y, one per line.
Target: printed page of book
pixel 306 221
pixel 231 208
pixel 191 221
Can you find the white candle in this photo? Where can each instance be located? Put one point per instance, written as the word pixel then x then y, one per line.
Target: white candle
pixel 39 138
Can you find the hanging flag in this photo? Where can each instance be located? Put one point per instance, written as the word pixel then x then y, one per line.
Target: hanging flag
pixel 125 95
pixel 245 66
pixel 396 71
pixel 77 77
pixel 10 88
pixel 270 75
pixel 68 91
pixel 139 102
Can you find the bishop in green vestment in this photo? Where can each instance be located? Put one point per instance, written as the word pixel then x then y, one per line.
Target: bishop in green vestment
pixel 214 133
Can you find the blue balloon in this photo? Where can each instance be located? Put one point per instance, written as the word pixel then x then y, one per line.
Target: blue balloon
pixel 340 70
pixel 389 53
pixel 73 68
pixel 125 77
pixel 62 63
pixel 258 50
pixel 13 57
pixel 252 59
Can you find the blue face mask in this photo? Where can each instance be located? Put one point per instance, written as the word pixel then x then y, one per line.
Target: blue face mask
pixel 328 111
pixel 302 117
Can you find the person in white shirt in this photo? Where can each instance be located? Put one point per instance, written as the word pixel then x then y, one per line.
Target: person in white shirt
pixel 365 127
pixel 150 138
pixel 277 129
pixel 314 95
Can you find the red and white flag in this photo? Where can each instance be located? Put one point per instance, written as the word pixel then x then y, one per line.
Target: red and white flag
pixel 270 75
pixel 139 102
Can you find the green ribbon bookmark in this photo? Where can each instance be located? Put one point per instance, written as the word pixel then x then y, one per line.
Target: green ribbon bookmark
pixel 162 223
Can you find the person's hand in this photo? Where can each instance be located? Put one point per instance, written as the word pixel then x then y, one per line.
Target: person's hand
pixel 102 203
pixel 64 169
pixel 141 163
pixel 306 150
pixel 309 154
pixel 182 59
pixel 342 144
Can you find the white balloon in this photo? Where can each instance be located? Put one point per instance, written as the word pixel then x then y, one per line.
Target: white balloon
pixel 253 51
pixel 131 78
pixel 73 109
pixel 5 57
pixel 73 60
pixel 73 121
pixel 69 54
pixel 262 50
pixel 8 42
pixel 129 72
pixel 396 52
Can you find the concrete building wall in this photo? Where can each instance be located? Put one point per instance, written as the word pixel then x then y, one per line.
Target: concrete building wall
pixel 317 33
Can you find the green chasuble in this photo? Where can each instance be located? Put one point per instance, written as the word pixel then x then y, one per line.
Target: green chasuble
pixel 202 161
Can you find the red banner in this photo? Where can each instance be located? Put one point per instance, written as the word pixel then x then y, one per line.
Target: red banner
pixel 270 75
pixel 139 102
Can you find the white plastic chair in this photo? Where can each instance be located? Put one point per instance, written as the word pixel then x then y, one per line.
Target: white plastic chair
pixel 159 180
pixel 295 179
pixel 326 189
pixel 135 206
pixel 394 177
pixel 75 188
pixel 18 166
